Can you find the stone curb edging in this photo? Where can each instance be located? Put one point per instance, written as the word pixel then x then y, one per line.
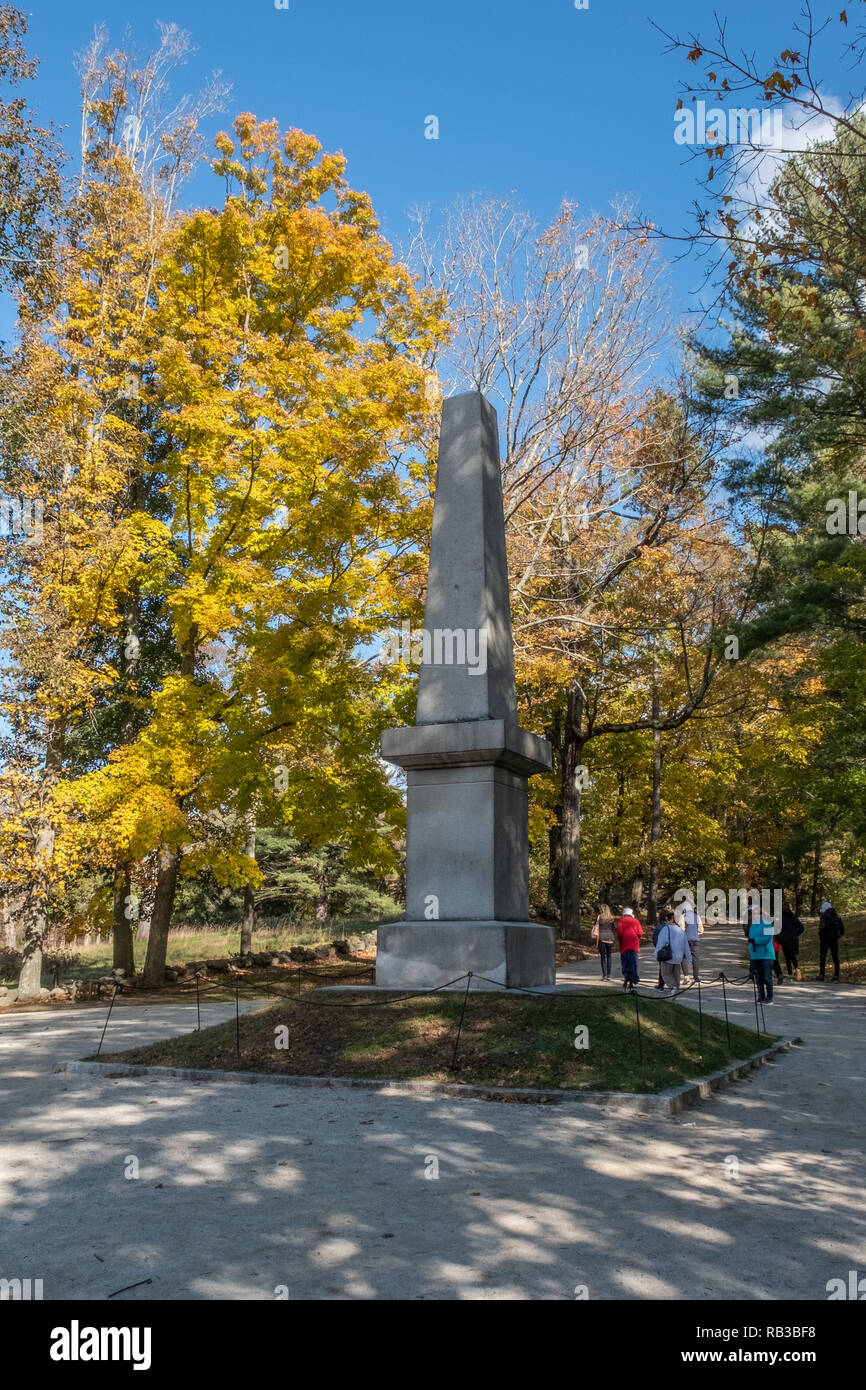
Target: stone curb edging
pixel 671 1101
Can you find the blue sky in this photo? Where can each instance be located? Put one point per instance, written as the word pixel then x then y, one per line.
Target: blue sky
pixel 537 98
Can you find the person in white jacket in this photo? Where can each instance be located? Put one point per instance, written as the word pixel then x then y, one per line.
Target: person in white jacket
pixel 693 925
pixel 673 938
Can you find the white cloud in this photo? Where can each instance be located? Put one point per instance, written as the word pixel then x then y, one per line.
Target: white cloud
pixel 801 130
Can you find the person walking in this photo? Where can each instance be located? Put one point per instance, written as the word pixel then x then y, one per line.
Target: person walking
pixel 672 951
pixel 777 951
pixel 629 931
pixel 693 926
pixel 665 916
pixel 789 941
pixel 761 956
pixel 831 928
pixel 605 933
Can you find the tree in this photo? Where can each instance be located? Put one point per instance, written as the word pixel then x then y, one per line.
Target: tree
pixel 75 444
pixel 285 373
pixel 621 626
pixel 558 326
pixel 137 142
pixel 30 163
pixel 296 879
pixel 796 348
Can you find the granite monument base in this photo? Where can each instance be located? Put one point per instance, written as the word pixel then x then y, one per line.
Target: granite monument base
pixel 427 955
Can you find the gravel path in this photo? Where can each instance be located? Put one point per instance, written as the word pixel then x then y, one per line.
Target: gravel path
pixel 754 1194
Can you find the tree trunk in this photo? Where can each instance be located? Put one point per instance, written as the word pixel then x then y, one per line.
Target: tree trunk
pixel 572 761
pixel 323 905
pixel 617 823
pixel 816 871
pixel 798 887
pixel 168 864
pixel 554 835
pixel 124 954
pixel 554 867
pixel 128 662
pixel 636 892
pixel 36 901
pixel 11 908
pixel 35 924
pixel 160 922
pixel 656 829
pixel 248 922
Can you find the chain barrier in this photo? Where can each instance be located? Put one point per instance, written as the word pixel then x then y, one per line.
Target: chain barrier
pixel 549 992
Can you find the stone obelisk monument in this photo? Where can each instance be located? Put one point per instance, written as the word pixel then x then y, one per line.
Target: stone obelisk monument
pixel 467 760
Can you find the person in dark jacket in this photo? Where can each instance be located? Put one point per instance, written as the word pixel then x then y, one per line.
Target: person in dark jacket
pixel 789 940
pixel 777 969
pixel 830 929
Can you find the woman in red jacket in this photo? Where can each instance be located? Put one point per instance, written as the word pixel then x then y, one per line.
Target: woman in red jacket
pixel 629 931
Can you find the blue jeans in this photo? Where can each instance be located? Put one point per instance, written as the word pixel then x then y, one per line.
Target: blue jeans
pixel 628 960
pixel 762 972
pixel 605 950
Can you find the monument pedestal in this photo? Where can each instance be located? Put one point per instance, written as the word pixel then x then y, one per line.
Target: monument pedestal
pixel 426 955
pixel 467 865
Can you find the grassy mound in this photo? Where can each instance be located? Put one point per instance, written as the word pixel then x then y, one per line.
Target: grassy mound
pixel 505 1041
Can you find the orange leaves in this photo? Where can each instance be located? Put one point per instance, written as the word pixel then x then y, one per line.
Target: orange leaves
pixel 776 82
